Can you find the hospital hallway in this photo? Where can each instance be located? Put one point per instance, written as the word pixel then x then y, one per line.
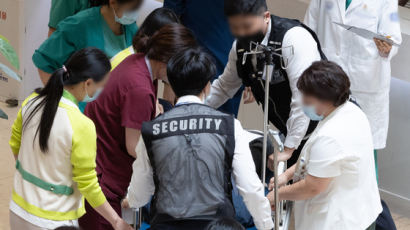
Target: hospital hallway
pixel 7 170
pixel 340 50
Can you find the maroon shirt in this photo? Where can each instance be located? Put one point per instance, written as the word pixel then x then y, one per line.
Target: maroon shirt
pixel 128 99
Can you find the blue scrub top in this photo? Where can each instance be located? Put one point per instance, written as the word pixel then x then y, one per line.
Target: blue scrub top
pixel 207 20
pixel 82 30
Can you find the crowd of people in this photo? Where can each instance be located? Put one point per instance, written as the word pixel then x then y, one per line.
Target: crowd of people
pixel 97 138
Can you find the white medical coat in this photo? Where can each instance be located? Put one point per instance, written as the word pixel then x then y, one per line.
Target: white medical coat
pixel 340 148
pixel 369 73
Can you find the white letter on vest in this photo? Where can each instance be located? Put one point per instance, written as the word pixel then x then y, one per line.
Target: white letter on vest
pixel 183 125
pixel 164 127
pixel 192 124
pixel 208 122
pixel 156 129
pixel 173 126
pixel 217 123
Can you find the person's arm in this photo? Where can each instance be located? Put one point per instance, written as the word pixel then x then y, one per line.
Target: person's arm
pixel 142 185
pixel 133 116
pixel 284 178
pixel 106 211
pixel 15 139
pixel 178 6
pixel 16 129
pixel 305 52
pixel 83 155
pixel 226 86
pixel 389 25
pixel 324 163
pixel 248 182
pixel 61 9
pixel 302 190
pixel 55 51
pixel 312 14
pixel 132 137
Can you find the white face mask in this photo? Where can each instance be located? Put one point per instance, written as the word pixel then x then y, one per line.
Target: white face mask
pixel 310 112
pixel 127 18
pixel 88 99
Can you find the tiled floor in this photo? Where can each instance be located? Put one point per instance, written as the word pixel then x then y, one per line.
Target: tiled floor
pixel 7 171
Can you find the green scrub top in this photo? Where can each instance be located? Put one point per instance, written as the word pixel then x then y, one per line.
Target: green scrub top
pixel 61 9
pixel 113 43
pixel 82 30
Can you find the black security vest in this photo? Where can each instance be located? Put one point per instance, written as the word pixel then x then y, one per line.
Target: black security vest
pixel 280 91
pixel 190 149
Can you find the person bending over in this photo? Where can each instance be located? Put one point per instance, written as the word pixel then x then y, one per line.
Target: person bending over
pixel 187 156
pixel 250 21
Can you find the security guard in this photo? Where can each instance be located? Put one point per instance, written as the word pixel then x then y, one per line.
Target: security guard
pixel 251 21
pixel 188 155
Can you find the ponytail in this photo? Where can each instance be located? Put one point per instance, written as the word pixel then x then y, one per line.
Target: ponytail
pixel 51 95
pixel 82 65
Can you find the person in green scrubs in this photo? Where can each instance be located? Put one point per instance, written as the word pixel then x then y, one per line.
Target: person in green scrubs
pixel 61 9
pixel 109 27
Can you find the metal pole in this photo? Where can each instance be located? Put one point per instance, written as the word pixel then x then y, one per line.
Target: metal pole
pixel 278 144
pixel 139 218
pixel 136 219
pixel 268 74
pixel 278 213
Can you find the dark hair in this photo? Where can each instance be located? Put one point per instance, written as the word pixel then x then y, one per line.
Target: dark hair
pixel 166 42
pixel 225 224
pixel 326 81
pixel 245 7
pixel 107 2
pixel 189 71
pixel 81 66
pixel 154 22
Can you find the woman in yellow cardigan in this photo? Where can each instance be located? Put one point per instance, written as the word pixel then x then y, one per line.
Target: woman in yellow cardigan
pixel 55 149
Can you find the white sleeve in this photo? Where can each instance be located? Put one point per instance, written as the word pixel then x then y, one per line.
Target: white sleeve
pixel 227 84
pixel 389 24
pixel 325 159
pixel 312 13
pixel 142 185
pixel 305 53
pixel 248 183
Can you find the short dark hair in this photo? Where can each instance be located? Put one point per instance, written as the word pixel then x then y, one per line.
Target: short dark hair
pixel 246 7
pixel 155 21
pixel 225 224
pixel 189 71
pixel 326 81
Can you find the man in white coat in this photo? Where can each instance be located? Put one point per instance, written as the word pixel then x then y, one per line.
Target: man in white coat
pixel 366 62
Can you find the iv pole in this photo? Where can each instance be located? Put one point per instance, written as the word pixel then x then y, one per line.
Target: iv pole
pixel 274 135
